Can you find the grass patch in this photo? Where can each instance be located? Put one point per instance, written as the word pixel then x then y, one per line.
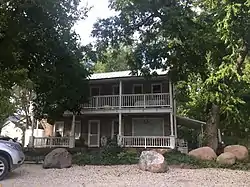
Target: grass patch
pixel 177 158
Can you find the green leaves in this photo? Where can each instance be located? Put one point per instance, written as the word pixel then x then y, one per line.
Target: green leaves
pixel 206 51
pixel 38 44
pixel 6 107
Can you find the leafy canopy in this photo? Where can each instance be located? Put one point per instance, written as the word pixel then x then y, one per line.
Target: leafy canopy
pixel 38 43
pixel 112 60
pixel 206 50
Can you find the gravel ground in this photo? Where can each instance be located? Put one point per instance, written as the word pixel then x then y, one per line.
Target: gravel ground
pixel 121 176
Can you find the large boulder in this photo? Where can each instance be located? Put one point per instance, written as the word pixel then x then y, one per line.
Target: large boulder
pixel 58 158
pixel 153 162
pixel 241 152
pixel 226 159
pixel 203 153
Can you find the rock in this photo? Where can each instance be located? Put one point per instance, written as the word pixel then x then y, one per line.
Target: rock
pixel 203 153
pixel 241 152
pixel 58 158
pixel 226 159
pixel 153 162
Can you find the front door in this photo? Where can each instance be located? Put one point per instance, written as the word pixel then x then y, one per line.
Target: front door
pixel 94 133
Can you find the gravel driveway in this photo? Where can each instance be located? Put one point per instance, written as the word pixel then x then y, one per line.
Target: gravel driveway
pixel 117 176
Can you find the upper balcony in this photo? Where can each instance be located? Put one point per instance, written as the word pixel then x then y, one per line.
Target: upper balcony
pixel 121 92
pixel 155 102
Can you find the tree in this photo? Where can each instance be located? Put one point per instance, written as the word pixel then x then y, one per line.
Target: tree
pixel 211 45
pixel 191 103
pixel 6 107
pixel 38 44
pixel 112 60
pixel 22 97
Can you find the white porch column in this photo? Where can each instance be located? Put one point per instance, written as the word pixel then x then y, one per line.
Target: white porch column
pixel 172 124
pixel 120 124
pixel 54 129
pixel 120 94
pixel 37 124
pixel 172 108
pixel 72 132
pixel 32 118
pixel 172 142
pixel 120 129
pixel 175 109
pixel 120 114
pixel 171 94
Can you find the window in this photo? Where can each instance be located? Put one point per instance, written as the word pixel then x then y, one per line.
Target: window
pixel 77 129
pixel 138 89
pixel 94 91
pixel 148 127
pixel 59 128
pixel 156 88
pixel 115 90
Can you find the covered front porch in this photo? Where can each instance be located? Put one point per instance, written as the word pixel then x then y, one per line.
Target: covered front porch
pixel 130 130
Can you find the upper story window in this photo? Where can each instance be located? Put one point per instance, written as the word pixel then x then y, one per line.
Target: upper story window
pixel 138 89
pixel 156 88
pixel 94 91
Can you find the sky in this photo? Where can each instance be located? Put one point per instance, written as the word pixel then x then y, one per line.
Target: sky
pixel 99 10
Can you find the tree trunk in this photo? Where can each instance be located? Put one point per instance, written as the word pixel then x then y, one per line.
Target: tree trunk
pixel 212 127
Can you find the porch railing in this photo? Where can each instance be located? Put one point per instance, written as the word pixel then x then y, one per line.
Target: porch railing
pixel 182 145
pixel 43 142
pixel 147 141
pixel 129 101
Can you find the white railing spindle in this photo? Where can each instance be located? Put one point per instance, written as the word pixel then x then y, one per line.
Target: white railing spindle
pixel 145 141
pixel 50 142
pixel 129 101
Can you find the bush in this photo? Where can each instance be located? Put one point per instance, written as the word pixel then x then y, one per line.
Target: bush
pixel 177 158
pixel 112 154
pixel 105 159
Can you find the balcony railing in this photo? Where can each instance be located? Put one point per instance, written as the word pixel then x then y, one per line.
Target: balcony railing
pixel 129 101
pixel 147 141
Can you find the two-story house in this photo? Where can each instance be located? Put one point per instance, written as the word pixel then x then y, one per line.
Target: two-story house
pixel 139 111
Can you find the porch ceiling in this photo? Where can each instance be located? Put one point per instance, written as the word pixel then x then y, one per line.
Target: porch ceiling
pixel 188 122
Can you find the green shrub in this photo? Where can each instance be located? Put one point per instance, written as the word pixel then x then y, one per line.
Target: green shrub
pixel 176 158
pixel 111 149
pixel 84 159
pixel 128 158
pixel 105 159
pixel 112 154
